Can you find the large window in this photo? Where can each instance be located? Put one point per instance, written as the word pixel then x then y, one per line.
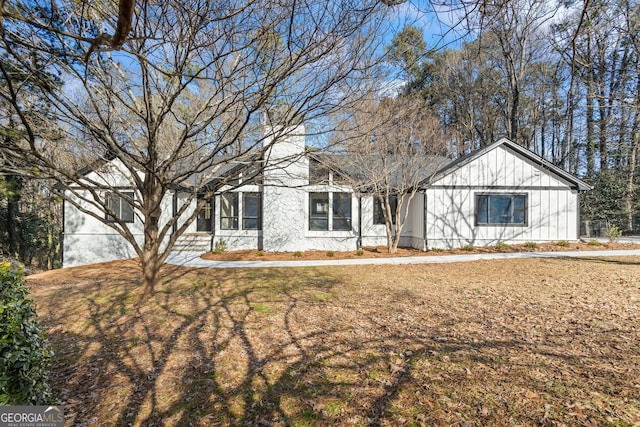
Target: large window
pixel 378 210
pixel 229 211
pixel 340 211
pixel 121 204
pixel 251 211
pixel 318 211
pixel 501 209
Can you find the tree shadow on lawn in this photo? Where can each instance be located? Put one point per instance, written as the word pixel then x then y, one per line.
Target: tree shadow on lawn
pixel 257 347
pixel 632 260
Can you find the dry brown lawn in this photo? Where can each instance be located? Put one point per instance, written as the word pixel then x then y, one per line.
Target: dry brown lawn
pixel 515 342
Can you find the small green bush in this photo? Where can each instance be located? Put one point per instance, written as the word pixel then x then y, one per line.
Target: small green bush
pixel 531 245
pixel 562 243
pixel 297 254
pixel 437 249
pixel 502 247
pixel 26 357
pixel 468 247
pixel 260 253
pixel 360 252
pixel 220 246
pixel 613 233
pixel 594 243
pixel 330 253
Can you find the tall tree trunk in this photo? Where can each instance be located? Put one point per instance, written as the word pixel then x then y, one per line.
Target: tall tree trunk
pixel 515 111
pixel 630 193
pixel 151 260
pixel 590 148
pixel 150 266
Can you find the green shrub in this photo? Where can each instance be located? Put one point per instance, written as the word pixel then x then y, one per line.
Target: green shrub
pixel 502 247
pixel 531 245
pixel 562 243
pixel 360 252
pixel 594 243
pixel 330 253
pixel 297 254
pixel 26 357
pixel 468 247
pixel 220 246
pixel 260 253
pixel 613 233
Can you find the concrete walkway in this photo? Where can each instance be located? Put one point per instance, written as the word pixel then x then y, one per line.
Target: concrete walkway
pixel 194 260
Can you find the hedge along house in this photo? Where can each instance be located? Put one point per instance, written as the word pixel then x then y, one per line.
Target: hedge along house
pixel 500 193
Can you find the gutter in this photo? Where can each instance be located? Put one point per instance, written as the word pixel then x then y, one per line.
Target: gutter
pixel 359 241
pixel 424 220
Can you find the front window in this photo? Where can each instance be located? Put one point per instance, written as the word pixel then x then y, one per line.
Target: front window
pixel 378 210
pixel 341 211
pixel 501 209
pixel 318 211
pixel 121 204
pixel 251 211
pixel 229 211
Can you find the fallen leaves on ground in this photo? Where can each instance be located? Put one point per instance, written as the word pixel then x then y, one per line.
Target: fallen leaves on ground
pixel 512 342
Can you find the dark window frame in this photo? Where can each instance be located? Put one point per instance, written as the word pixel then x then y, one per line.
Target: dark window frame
pixel 204 221
pixel 110 198
pixel 378 215
pixel 316 216
pixel 234 217
pixel 246 218
pixel 339 217
pixel 480 207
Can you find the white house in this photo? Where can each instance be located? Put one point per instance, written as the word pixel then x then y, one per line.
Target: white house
pixel 500 193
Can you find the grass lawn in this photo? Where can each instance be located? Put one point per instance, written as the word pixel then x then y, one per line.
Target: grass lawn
pixel 513 342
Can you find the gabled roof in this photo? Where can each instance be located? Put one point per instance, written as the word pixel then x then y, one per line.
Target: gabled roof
pixel 530 155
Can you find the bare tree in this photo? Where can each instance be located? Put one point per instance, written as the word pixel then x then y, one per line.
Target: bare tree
pixel 389 149
pixel 188 94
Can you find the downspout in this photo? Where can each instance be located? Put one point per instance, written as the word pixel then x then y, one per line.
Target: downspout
pixel 213 223
pixel 261 213
pixel 174 211
pixel 578 213
pixel 359 242
pixel 424 221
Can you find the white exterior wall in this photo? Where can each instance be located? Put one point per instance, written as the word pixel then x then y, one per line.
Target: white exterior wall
pixel 285 212
pixel 552 209
pixel 88 240
pixel 415 233
pixel 341 240
pixel 235 239
pixel 447 220
pixel 372 234
pixel 411 234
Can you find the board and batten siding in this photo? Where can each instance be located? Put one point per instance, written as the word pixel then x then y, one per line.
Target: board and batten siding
pixel 552 202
